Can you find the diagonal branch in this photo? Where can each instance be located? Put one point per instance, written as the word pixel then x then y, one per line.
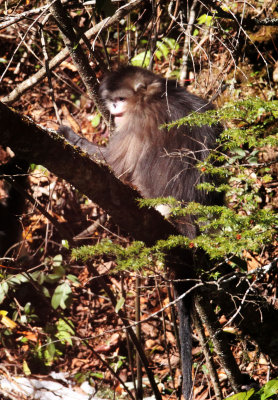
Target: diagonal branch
pixel 77 54
pixel 41 146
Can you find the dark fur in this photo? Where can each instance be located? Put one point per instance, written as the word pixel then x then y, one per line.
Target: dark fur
pixel 156 161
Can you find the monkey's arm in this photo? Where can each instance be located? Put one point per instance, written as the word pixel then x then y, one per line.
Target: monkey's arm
pixel 84 144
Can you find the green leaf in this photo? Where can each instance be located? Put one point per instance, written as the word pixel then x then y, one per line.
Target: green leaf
pixel 242 395
pixel 58 273
pixel 65 331
pixel 239 151
pixel 171 43
pixel 119 304
pixel 64 336
pixel 95 120
pixel 45 291
pixel 19 278
pixel 40 277
pixel 57 260
pixel 253 160
pixel 163 48
pixel 62 296
pixel 65 244
pixel 158 54
pixel 141 59
pixel 205 19
pixel 269 389
pixel 98 375
pixel 65 325
pixel 49 353
pixel 25 368
pixel 73 279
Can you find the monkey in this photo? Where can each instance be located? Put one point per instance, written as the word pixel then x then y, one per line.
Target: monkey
pixel 141 102
pixel 157 161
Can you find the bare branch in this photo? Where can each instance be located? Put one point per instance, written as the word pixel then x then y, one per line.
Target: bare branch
pixel 60 57
pixel 27 14
pixel 78 56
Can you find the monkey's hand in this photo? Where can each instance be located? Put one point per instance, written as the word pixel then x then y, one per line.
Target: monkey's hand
pixel 84 144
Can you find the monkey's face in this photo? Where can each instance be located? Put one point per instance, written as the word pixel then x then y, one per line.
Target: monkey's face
pixel 117 103
pixel 128 92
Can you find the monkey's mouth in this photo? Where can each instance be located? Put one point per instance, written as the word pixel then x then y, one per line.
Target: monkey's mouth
pixel 118 115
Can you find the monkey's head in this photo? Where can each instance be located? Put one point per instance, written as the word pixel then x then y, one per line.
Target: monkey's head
pixel 129 90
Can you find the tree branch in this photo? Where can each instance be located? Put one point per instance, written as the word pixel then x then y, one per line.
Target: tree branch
pixel 41 146
pixel 60 57
pixel 247 23
pixel 77 54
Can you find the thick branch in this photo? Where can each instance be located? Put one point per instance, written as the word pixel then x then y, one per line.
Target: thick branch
pixel 38 145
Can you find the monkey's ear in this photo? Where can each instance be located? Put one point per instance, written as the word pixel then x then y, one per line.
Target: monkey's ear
pixel 148 89
pixel 154 88
pixel 138 86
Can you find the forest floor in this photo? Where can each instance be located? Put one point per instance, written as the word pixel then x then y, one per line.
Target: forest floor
pixel 99 340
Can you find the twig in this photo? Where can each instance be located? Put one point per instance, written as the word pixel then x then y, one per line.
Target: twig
pixel 117 376
pixel 164 334
pixel 20 17
pixel 139 335
pixel 46 63
pixel 247 22
pixel 24 36
pixel 131 333
pixel 60 57
pixel 187 39
pixel 221 346
pixel 129 344
pixel 78 56
pixel 208 356
pixel 87 233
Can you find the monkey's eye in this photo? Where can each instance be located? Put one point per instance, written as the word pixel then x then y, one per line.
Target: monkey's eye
pixel 121 99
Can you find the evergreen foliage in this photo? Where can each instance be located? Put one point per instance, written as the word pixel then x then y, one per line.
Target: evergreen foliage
pixel 243 224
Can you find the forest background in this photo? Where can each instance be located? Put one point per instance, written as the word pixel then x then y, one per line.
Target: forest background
pixel 65 308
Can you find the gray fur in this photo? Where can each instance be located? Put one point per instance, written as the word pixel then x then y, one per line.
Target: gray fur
pixel 156 161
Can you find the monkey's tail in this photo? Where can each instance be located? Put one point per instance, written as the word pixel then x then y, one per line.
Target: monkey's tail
pixel 186 346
